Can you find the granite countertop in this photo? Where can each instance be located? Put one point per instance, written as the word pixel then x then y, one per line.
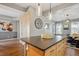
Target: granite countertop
pixel 42 44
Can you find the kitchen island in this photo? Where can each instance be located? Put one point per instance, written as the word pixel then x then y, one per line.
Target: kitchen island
pixel 46 47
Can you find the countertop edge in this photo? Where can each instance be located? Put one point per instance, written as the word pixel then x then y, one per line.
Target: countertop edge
pixel 47 47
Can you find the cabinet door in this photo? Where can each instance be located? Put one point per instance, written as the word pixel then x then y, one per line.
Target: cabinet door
pixel 33 51
pixel 61 48
pixel 51 51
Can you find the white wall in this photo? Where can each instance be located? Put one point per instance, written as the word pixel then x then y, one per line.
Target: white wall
pixel 33 30
pixel 57 16
pixel 37 32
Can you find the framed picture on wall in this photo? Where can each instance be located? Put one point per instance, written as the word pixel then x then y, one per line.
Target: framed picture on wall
pixel 6 26
pixel 66 24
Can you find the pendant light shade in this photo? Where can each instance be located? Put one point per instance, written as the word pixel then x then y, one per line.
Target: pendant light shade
pixel 50 13
pixel 50 7
pixel 67 18
pixel 38 10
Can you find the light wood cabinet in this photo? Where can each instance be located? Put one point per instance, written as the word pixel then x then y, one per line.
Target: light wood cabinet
pixel 33 51
pixel 51 51
pixel 61 48
pixel 58 49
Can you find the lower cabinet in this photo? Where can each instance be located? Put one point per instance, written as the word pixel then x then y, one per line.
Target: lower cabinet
pixel 33 51
pixel 58 49
pixel 61 48
pixel 52 51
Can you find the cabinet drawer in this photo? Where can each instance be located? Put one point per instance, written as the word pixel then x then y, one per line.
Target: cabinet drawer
pixel 51 51
pixel 51 48
pixel 33 51
pixel 63 42
pixel 59 44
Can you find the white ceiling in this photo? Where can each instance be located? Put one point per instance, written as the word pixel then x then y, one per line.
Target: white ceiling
pixel 7 11
pixel 12 12
pixel 71 11
pixel 59 15
pixel 44 6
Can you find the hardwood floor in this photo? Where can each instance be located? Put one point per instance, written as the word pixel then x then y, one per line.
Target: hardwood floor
pixel 72 51
pixel 15 48
pixel 11 48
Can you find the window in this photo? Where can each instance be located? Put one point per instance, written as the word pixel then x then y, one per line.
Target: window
pixel 59 28
pixel 74 27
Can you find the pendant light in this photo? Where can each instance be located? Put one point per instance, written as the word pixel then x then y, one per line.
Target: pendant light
pixel 50 13
pixel 38 10
pixel 66 15
pixel 67 20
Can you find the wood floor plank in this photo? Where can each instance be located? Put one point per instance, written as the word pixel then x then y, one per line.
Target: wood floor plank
pixel 11 48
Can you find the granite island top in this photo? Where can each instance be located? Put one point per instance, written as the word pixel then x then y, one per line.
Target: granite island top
pixel 43 44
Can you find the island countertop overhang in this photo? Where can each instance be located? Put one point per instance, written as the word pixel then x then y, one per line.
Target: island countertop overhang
pixel 43 44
